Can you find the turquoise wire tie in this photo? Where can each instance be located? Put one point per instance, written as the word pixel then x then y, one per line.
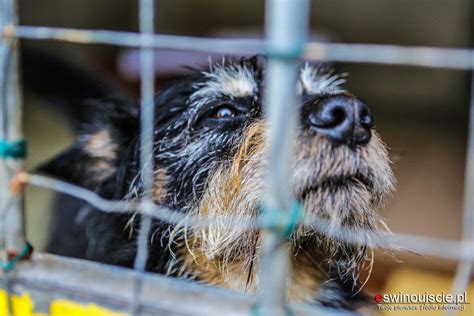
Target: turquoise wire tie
pixel 13 149
pixel 283 223
pixel 280 221
pixel 293 52
pixel 24 252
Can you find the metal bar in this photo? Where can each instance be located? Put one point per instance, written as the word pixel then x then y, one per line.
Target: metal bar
pixel 12 231
pixel 46 278
pixel 130 39
pixel 286 31
pixel 421 56
pixel 11 129
pixel 147 118
pixel 464 270
pixel 463 273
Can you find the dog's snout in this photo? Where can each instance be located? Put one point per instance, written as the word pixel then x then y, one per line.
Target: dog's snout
pixel 343 119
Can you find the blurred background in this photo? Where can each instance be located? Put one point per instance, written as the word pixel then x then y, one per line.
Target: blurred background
pixel 421 113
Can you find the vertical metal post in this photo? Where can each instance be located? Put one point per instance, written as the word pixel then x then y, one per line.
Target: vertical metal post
pixel 10 128
pixel 465 267
pixel 147 106
pixel 286 31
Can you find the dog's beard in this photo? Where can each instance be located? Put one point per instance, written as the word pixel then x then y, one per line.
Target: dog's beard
pixel 340 189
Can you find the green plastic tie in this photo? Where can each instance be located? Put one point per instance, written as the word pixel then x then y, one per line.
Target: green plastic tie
pixel 281 221
pixel 7 266
pixel 13 149
pixel 293 52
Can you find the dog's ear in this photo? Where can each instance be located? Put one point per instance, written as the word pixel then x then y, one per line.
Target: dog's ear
pixel 109 132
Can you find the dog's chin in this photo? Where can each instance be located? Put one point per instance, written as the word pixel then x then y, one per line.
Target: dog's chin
pixel 337 182
pixel 340 204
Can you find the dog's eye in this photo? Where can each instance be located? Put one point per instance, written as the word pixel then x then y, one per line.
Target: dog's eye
pixel 223 112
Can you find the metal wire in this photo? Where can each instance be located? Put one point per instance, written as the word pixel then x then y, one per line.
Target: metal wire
pixel 436 247
pixel 147 114
pixel 11 110
pixel 465 267
pixel 130 39
pixel 449 58
pixel 13 234
pixel 286 31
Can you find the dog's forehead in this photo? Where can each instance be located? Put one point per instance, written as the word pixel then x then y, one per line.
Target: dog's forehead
pixel 232 80
pixel 240 79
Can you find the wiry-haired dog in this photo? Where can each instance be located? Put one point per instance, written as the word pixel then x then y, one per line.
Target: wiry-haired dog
pixel 209 156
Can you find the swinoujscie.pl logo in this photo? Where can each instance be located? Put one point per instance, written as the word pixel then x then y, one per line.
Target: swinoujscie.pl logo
pixel 421 301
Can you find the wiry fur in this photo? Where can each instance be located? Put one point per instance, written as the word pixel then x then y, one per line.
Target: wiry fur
pixel 319 80
pixel 214 167
pixel 232 80
pixel 235 192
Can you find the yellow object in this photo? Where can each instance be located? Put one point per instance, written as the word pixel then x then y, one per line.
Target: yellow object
pixel 22 305
pixel 65 307
pixel 412 281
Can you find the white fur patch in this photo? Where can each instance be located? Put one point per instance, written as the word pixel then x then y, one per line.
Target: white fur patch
pixel 237 80
pixel 232 81
pixel 314 80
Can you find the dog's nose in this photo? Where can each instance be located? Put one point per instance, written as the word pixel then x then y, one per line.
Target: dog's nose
pixel 344 119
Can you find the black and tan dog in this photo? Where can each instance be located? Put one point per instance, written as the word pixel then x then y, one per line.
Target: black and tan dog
pixel 209 154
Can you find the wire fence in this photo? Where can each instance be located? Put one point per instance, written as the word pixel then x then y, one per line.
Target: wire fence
pixel 286 29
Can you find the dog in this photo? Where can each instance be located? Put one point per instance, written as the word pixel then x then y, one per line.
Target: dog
pixel 209 161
